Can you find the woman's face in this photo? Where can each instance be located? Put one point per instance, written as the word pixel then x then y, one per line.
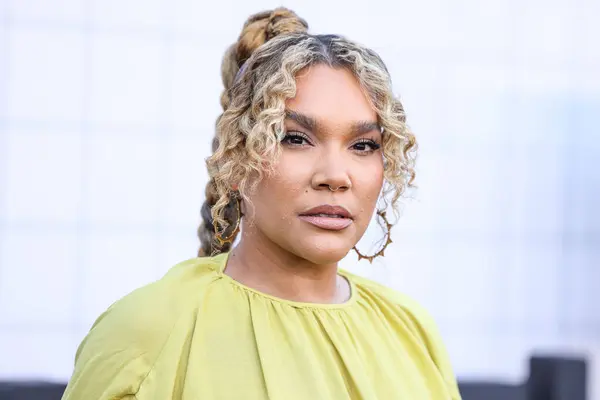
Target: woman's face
pixel 332 141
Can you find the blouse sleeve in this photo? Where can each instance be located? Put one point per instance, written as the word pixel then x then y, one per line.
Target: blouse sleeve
pixel 430 334
pixel 106 368
pixel 119 351
pixel 440 357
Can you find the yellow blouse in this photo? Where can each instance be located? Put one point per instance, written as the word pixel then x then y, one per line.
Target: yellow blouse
pixel 197 334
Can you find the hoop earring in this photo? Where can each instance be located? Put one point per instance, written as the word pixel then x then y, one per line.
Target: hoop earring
pixel 219 235
pixel 387 242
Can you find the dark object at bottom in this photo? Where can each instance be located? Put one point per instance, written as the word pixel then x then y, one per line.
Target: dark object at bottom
pixel 550 378
pixel 556 378
pixel 492 391
pixel 31 390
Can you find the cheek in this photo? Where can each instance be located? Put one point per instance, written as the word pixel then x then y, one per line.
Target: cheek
pixel 292 175
pixel 277 195
pixel 369 180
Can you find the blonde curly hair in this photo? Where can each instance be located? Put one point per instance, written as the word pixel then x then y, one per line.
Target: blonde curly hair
pixel 258 72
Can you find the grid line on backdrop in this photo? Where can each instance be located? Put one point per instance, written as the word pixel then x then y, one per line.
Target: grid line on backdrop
pixel 4 32
pixel 81 227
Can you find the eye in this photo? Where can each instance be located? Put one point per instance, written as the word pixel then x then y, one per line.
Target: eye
pixel 366 146
pixel 293 138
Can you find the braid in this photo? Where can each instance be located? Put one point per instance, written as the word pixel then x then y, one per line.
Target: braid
pixel 257 30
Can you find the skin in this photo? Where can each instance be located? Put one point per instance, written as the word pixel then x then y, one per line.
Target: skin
pixel 279 253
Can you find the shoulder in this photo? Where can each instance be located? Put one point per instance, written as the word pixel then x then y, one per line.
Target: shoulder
pixel 406 305
pixel 415 318
pixel 146 315
pixel 125 341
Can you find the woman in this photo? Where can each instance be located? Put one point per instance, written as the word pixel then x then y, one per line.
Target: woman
pixel 310 138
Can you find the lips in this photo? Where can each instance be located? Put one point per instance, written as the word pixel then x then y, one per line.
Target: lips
pixel 327 210
pixel 328 217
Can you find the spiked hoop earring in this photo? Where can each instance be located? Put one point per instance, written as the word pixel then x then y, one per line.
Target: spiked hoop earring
pixel 388 240
pixel 219 235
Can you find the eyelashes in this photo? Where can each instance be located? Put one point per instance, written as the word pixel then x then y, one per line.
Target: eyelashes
pixel 299 139
pixel 294 138
pixel 368 142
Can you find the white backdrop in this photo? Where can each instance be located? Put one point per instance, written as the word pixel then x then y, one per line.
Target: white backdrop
pixel 107 110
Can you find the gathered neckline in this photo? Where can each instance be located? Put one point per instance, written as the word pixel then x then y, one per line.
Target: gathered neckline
pixel 221 260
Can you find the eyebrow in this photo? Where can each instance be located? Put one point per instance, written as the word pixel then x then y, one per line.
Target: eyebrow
pixel 304 120
pixel 310 123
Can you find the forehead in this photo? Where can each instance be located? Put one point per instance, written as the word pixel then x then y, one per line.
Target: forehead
pixel 331 95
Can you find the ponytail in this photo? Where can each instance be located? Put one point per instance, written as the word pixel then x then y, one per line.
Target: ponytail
pixel 257 30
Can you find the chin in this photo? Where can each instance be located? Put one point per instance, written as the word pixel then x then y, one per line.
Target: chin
pixel 319 254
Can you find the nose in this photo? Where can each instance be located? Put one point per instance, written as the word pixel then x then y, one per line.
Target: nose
pixel 331 173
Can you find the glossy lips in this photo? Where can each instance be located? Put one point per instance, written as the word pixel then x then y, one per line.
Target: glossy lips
pixel 328 217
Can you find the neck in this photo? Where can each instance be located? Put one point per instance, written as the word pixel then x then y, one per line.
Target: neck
pixel 262 265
